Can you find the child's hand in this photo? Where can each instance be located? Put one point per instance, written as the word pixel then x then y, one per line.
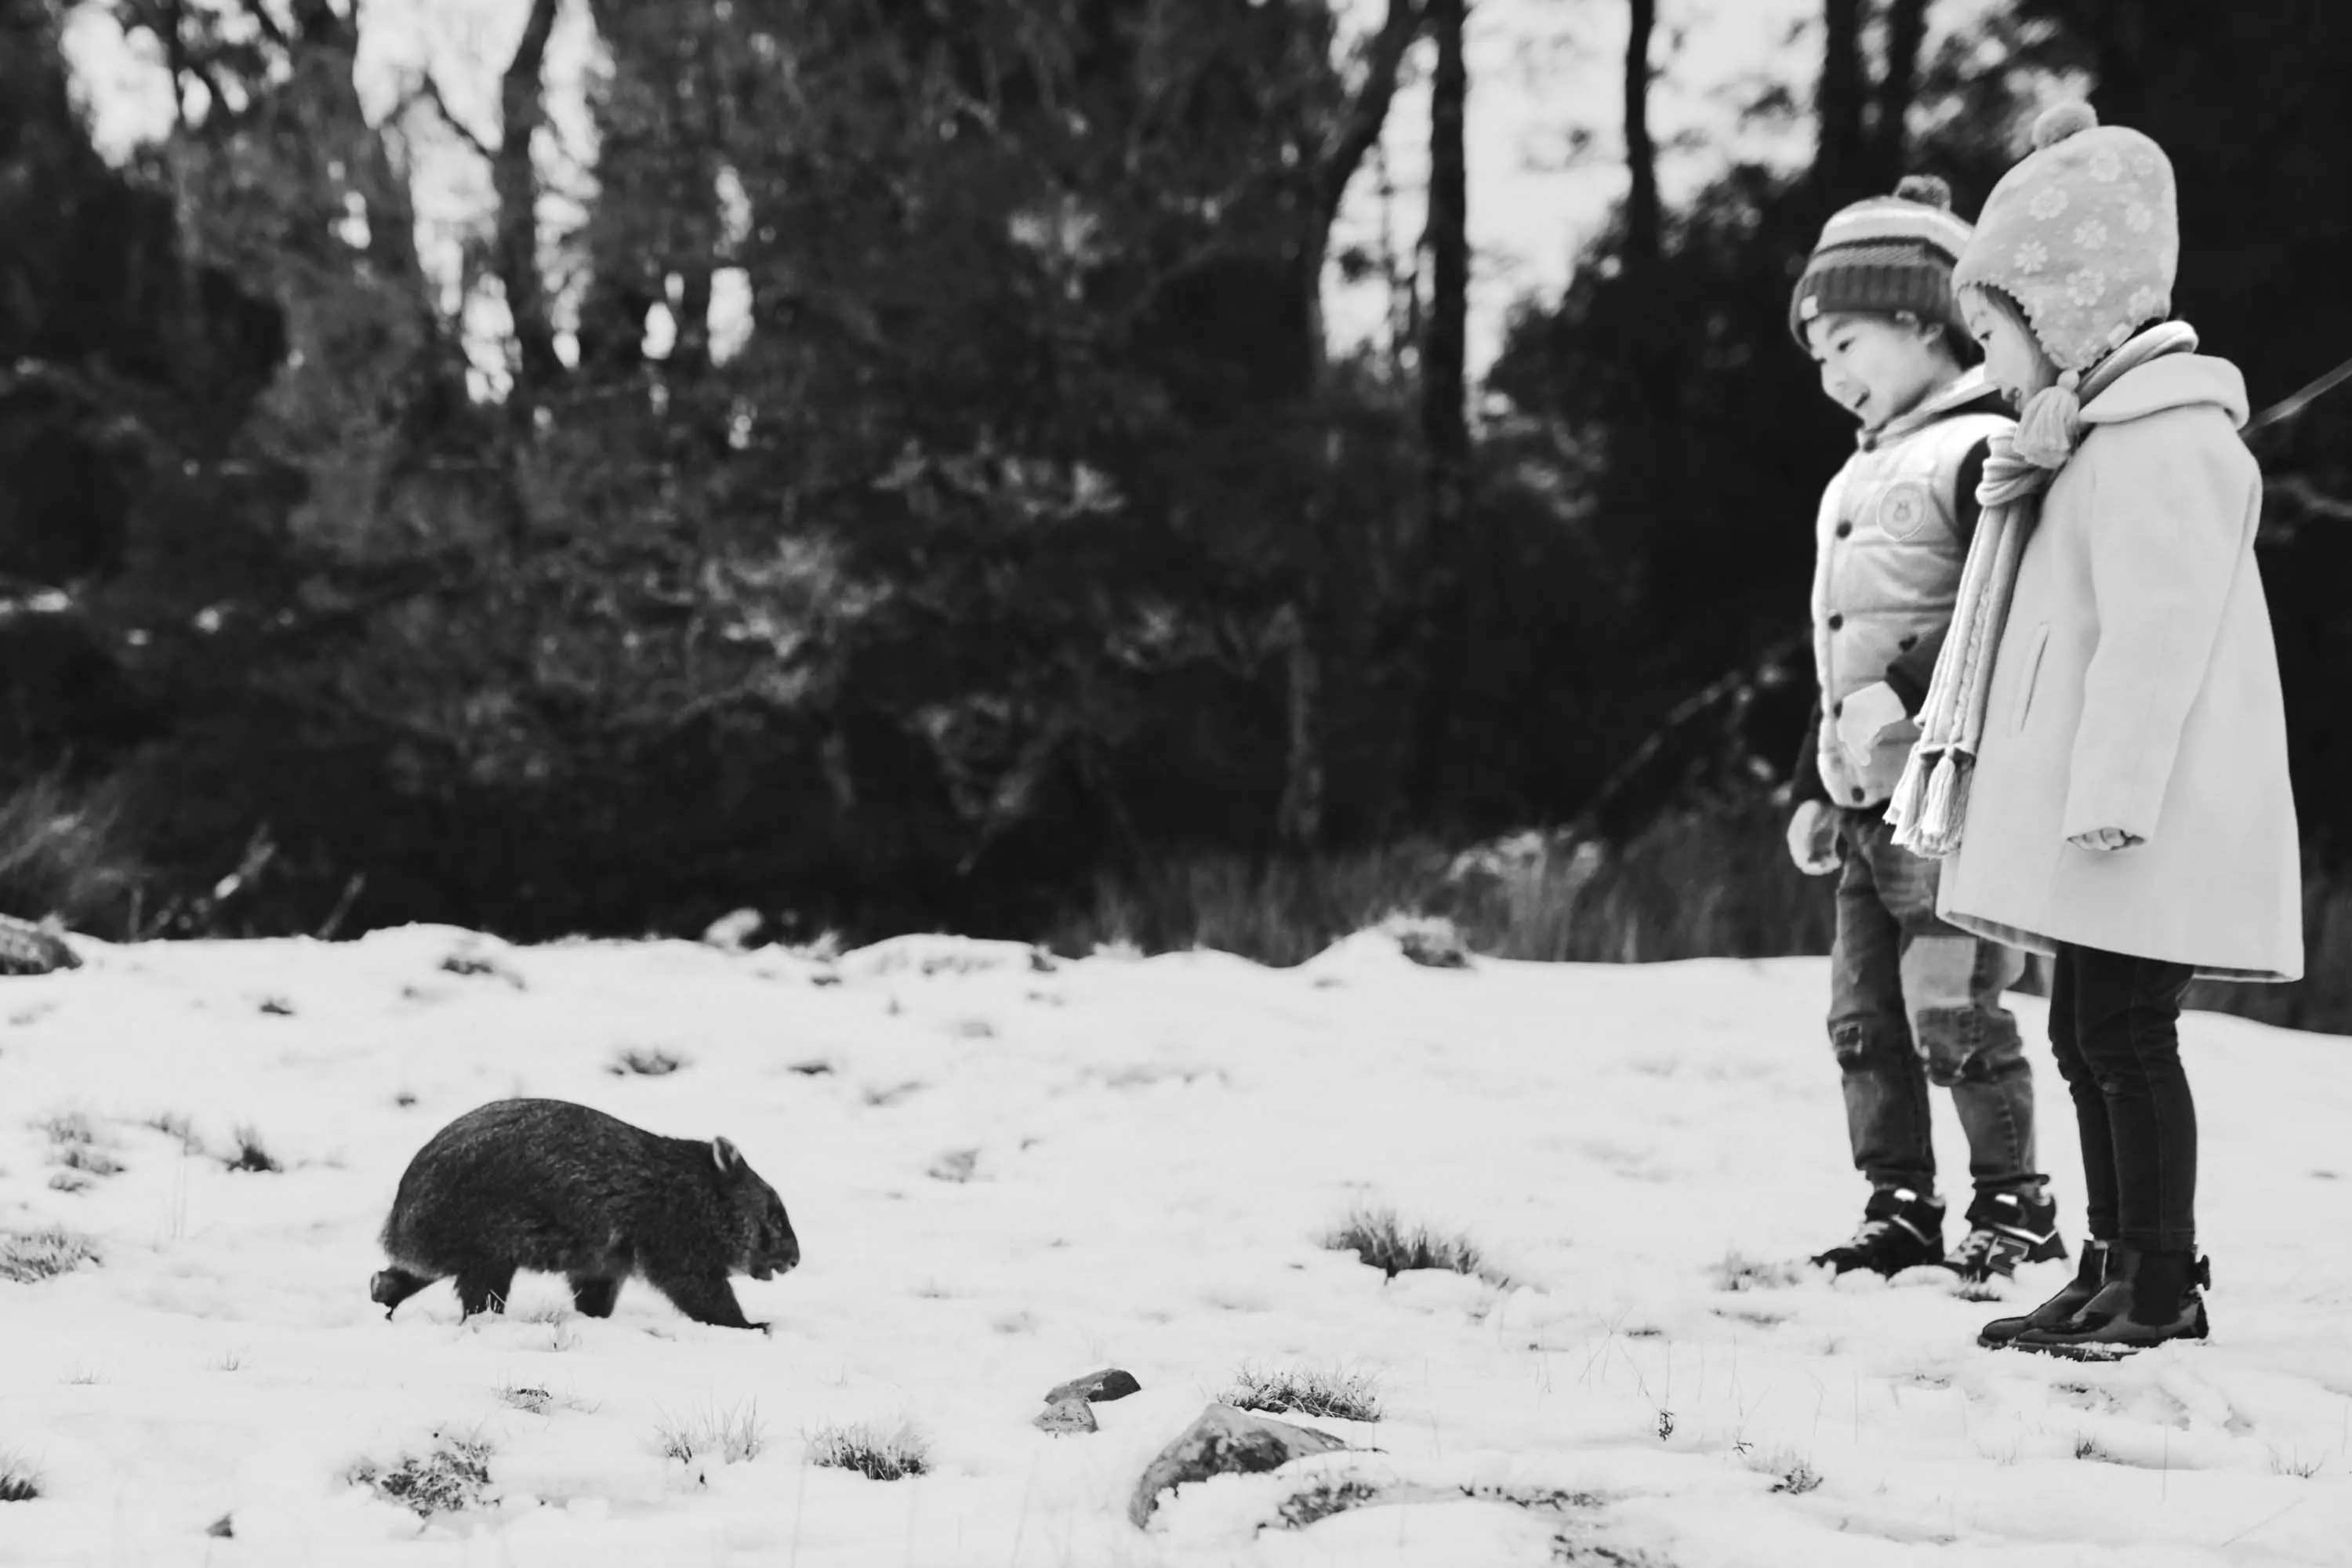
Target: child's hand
pixel 2104 840
pixel 1863 717
pixel 1813 838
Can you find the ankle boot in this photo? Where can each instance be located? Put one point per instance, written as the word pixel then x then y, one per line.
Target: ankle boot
pixel 2076 1293
pixel 2147 1298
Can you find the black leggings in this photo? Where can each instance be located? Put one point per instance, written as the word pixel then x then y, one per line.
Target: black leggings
pixel 2114 1026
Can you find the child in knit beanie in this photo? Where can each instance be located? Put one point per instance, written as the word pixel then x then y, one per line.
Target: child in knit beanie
pixel 1913 1000
pixel 2103 741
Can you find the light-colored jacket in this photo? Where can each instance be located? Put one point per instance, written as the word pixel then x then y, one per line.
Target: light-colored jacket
pixel 2137 687
pixel 1887 555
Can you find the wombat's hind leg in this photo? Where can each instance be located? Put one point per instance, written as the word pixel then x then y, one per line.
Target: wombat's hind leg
pixel 593 1294
pixel 391 1287
pixel 707 1299
pixel 485 1289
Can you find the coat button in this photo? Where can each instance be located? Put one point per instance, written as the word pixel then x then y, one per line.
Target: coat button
pixel 1836 622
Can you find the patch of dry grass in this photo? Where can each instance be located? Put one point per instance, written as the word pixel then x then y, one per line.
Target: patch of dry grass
pixel 878 1453
pixel 1306 1391
pixel 27 1255
pixel 1378 1238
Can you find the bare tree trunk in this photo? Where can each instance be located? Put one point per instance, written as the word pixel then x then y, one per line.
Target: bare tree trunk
pixel 1907 32
pixel 1651 325
pixel 516 180
pixel 1445 415
pixel 183 218
pixel 1841 154
pixel 695 105
pixel 1645 224
pixel 1299 823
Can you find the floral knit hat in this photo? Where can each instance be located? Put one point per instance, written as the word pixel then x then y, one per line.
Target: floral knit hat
pixel 2084 234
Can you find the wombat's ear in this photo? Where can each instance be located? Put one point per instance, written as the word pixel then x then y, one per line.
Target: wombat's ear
pixel 727 1157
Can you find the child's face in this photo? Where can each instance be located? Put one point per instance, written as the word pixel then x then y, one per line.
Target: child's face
pixel 1877 368
pixel 2013 361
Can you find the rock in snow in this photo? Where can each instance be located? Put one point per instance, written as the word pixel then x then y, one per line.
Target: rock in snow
pixel 1110 1382
pixel 1224 1441
pixel 1064 1416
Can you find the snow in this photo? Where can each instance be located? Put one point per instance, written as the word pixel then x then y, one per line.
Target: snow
pixel 1155 1148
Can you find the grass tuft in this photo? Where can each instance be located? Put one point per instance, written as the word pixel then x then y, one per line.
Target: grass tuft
pixel 1306 1391
pixel 874 1452
pixel 1790 1472
pixel 1739 1272
pixel 2295 1464
pixel 1323 1497
pixel 454 1476
pixel 172 1124
pixel 731 1435
pixel 19 1482
pixel 87 1158
pixel 69 1128
pixel 252 1154
pixel 534 1401
pixel 530 1401
pixel 27 1255
pixel 1378 1237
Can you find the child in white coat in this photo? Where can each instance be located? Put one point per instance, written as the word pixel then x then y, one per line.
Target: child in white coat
pixel 2129 812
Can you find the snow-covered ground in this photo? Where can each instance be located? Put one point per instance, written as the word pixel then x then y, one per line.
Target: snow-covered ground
pixel 1153 1150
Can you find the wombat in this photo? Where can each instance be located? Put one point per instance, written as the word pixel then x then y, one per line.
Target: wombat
pixel 548 1185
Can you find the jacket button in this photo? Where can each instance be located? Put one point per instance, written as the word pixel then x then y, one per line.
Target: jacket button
pixel 1843 529
pixel 1836 622
pixel 1857 794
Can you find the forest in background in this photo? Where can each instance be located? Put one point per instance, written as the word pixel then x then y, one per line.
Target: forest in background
pixel 1033 557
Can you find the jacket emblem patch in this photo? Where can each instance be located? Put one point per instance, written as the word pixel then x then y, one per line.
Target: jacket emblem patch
pixel 1904 509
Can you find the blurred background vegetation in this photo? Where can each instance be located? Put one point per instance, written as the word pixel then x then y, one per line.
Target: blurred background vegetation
pixel 1032 564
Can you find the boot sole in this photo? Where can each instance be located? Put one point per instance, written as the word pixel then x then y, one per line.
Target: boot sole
pixel 2102 1351
pixel 2114 1349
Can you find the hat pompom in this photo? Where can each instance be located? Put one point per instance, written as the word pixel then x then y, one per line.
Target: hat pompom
pixel 2061 120
pixel 1926 189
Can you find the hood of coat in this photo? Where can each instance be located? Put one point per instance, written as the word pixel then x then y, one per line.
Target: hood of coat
pixel 2171 380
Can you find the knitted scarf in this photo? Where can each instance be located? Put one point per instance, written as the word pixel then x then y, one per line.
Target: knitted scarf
pixel 1931 802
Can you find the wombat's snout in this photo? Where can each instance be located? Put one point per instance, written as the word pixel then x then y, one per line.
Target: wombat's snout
pixel 783 1261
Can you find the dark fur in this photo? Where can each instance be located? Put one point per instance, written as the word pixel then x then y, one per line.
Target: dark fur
pixel 557 1188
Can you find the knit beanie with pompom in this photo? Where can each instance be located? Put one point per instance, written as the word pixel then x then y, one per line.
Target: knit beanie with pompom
pixel 1883 256
pixel 2084 234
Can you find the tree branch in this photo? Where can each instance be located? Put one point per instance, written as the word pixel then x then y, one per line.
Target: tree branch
pixel 428 91
pixel 261 18
pixel 1361 127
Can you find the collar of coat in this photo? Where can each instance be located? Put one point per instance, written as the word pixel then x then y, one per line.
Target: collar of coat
pixel 1969 393
pixel 2173 380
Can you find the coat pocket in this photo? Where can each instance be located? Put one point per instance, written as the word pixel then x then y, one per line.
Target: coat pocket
pixel 2033 676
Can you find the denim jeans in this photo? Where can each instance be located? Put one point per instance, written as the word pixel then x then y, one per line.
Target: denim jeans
pixel 1915 1001
pixel 2114 1026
